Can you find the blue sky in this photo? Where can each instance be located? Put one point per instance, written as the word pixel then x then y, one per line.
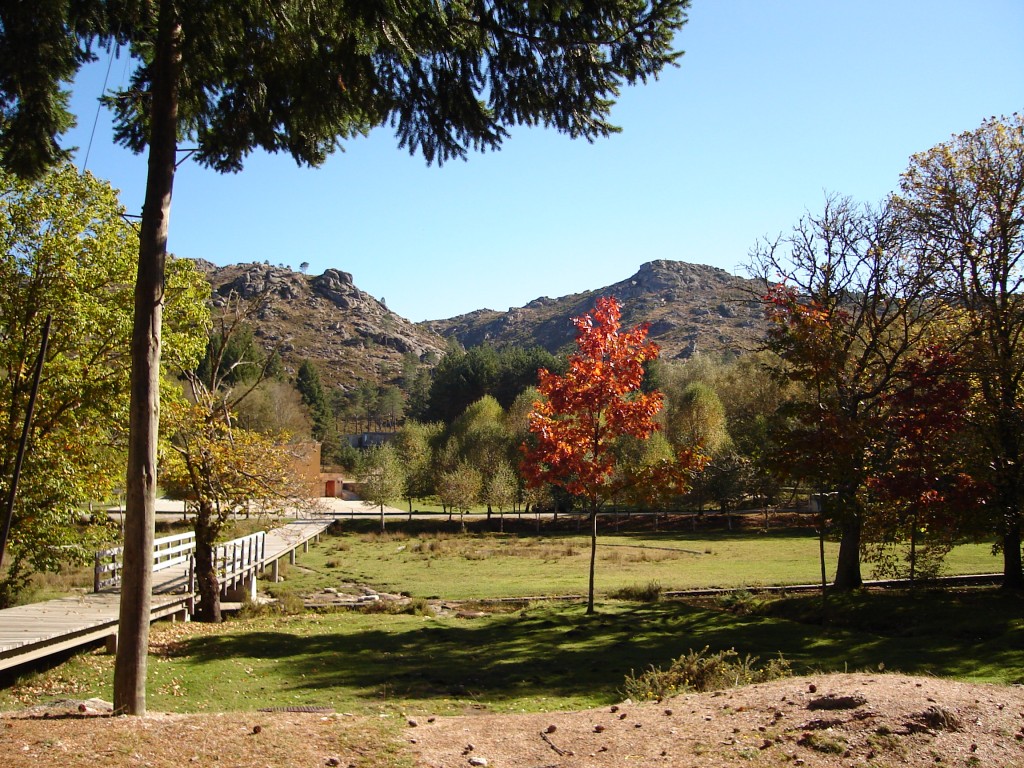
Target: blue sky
pixel 775 104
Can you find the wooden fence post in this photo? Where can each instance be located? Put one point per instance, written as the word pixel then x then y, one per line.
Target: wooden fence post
pixel 191 602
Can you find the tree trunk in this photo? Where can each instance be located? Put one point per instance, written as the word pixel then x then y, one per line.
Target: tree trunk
pixel 382 518
pixel 821 561
pixel 848 569
pixel 593 558
pixel 207 584
pixel 144 414
pixel 912 555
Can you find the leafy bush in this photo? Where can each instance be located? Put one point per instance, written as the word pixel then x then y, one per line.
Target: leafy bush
pixel 703 671
pixel 417 606
pixel 740 602
pixel 641 593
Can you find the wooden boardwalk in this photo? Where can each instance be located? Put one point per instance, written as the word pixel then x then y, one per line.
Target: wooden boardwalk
pixel 30 632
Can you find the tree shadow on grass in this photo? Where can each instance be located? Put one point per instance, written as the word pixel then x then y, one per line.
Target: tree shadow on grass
pixel 557 652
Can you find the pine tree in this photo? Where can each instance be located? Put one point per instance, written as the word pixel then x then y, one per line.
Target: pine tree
pixel 307 381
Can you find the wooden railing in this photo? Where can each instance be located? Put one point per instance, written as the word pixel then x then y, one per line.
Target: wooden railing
pixel 235 561
pixel 167 552
pixel 240 559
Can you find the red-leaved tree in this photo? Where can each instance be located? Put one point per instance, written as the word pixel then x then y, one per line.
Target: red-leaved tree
pixel 926 499
pixel 588 409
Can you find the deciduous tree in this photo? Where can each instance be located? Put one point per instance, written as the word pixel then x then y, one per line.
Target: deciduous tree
pixel 67 252
pixel 220 467
pixel 849 310
pixel 585 412
pixel 965 200
pixel 479 438
pixel 381 477
pixel 696 419
pixel 922 494
pixel 501 488
pixel 459 489
pixel 413 443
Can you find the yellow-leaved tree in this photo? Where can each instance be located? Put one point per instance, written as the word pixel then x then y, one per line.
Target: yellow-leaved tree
pixel 68 253
pixel 219 467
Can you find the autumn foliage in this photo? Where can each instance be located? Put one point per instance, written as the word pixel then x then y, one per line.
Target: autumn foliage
pixel 596 402
pixel 585 412
pixel 918 480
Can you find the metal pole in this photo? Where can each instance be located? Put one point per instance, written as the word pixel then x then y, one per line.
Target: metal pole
pixel 9 512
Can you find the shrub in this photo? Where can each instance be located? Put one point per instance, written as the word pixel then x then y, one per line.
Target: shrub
pixel 703 671
pixel 740 602
pixel 640 593
pixel 288 604
pixel 417 606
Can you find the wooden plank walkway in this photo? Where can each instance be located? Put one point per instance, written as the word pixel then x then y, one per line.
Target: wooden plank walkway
pixel 31 632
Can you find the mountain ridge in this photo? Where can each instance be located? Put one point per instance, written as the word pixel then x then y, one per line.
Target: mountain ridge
pixel 353 336
pixel 690 308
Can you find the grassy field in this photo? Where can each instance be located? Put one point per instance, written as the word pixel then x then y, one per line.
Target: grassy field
pixel 426 562
pixel 540 657
pixel 533 655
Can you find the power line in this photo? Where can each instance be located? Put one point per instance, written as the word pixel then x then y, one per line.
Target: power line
pixel 99 106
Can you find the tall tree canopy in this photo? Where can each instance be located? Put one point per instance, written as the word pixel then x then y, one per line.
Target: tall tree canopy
pixel 462 378
pixel 67 252
pixel 850 311
pixel 308 382
pixel 965 202
pixel 229 77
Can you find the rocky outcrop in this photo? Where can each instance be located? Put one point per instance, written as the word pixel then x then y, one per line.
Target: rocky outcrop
pixel 326 318
pixel 690 308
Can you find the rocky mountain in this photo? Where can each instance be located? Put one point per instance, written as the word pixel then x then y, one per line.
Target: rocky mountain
pixel 354 337
pixel 690 307
pixel 350 335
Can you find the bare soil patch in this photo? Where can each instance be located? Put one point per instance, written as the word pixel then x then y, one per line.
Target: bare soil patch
pixel 822 721
pixel 818 721
pixel 65 737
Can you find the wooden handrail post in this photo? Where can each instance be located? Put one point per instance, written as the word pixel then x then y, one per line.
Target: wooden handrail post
pixel 191 602
pixel 96 574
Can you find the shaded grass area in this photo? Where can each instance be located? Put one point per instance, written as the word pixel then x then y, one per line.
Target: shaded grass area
pixel 543 657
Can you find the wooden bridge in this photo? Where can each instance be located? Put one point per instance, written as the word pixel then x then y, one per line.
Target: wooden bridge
pixel 30 632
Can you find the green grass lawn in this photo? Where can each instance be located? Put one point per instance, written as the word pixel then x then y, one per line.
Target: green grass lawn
pixel 544 655
pixel 429 563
